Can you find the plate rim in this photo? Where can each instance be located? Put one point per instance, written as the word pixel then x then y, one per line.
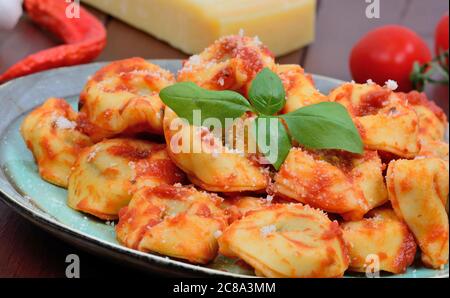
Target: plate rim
pixel 74 237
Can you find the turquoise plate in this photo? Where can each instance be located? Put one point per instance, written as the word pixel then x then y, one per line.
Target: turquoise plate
pixel 45 204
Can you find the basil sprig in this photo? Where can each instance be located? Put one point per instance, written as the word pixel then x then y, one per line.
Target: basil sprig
pixel 325 125
pixel 270 130
pixel 267 93
pixel 186 97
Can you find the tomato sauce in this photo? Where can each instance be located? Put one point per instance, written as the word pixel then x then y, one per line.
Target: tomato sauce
pixel 203 211
pixel 46 147
pixel 165 191
pixel 161 168
pixel 333 232
pixel 406 253
pixel 129 152
pixel 416 98
pixel 372 102
pixel 224 79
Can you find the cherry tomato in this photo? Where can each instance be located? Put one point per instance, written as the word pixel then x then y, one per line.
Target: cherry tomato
pixel 388 52
pixel 441 36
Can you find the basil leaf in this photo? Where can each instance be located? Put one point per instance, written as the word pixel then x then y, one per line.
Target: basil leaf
pixel 186 97
pixel 325 125
pixel 267 93
pixel 272 139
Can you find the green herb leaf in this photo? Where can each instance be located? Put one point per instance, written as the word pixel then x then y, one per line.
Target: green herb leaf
pixel 186 97
pixel 267 93
pixel 272 139
pixel 325 125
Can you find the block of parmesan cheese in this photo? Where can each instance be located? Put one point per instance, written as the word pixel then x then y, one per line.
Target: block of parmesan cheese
pixel 192 25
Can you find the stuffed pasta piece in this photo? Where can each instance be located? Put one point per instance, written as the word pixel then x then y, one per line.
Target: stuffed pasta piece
pixel 287 240
pixel 212 166
pixel 175 221
pixel 333 181
pixel 432 119
pixel 231 63
pixel 239 206
pixel 106 175
pixel 122 98
pixel 299 87
pixel 382 236
pixel 51 133
pixel 418 190
pixel 385 119
pixel 437 149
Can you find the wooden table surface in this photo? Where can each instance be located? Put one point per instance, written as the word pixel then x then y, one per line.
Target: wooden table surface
pixel 27 251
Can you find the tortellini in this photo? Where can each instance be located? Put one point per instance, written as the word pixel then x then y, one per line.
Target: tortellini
pixel 382 239
pixel 385 120
pixel 432 120
pixel 106 175
pixel 341 183
pixel 367 175
pixel 299 87
pixel 177 221
pixel 436 149
pixel 230 63
pixel 213 168
pixel 122 98
pixel 51 134
pixel 287 240
pixel 241 214
pixel 418 190
pixel 240 206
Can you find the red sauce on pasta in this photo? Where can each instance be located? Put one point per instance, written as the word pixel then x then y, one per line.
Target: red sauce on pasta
pixel 129 151
pixel 372 102
pixel 416 98
pixel 165 191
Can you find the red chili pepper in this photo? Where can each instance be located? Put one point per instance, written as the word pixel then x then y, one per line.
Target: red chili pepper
pixel 84 38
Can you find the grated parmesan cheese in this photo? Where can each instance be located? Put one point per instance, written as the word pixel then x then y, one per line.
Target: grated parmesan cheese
pixel 92 154
pixel 195 60
pixel 217 234
pixel 266 230
pixel 257 41
pixel 391 85
pixel 393 112
pixel 64 123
